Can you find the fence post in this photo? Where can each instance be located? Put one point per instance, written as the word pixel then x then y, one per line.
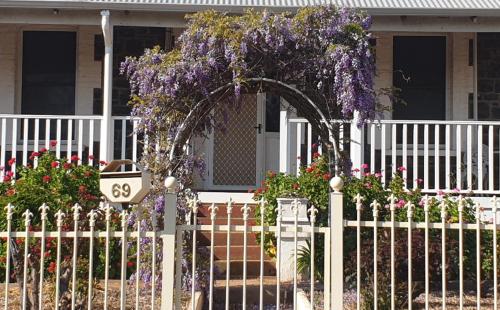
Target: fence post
pixel 337 243
pixel 168 262
pixel 285 141
pixel 357 144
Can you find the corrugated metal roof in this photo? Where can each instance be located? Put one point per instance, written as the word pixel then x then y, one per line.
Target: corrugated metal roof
pixel 409 7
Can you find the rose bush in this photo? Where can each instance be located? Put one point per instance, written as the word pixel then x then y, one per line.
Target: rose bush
pixel 59 183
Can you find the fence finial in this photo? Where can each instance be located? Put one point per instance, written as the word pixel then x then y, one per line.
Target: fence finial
pixel 245 209
pixel 124 216
pixel 44 208
pixel 92 216
pixel 170 184
pixel 59 216
pixel 495 201
pixel 358 199
pixel 27 217
pixel 76 211
pixel 461 203
pixel 426 203
pixel 392 202
pixel 410 207
pixel 9 207
pixel 213 211
pixel 229 207
pixel 376 206
pixel 312 211
pixel 442 205
pixel 107 210
pixel 337 184
pixel 295 207
pixel 479 210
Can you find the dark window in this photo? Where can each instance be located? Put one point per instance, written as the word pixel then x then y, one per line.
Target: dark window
pixel 420 74
pixel 48 74
pixel 98 47
pixel 272 113
pixel 470 106
pixel 471 52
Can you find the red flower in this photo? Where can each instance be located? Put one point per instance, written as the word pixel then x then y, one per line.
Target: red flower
pixel 46 179
pixel 35 154
pixel 10 192
pixel 295 186
pixel 130 264
pixel 19 241
pixel 54 164
pixel 67 166
pixel 11 161
pixel 7 178
pixel 2 259
pixel 46 254
pixel 309 169
pixel 75 158
pixel 102 162
pixel 316 155
pixel 10 173
pixel 87 174
pixel 82 188
pixel 326 176
pixel 43 150
pixel 53 143
pixel 364 166
pixel 91 157
pixel 401 169
pixel 52 267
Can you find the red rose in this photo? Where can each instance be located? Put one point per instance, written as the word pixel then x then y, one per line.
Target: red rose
pixel 46 254
pixel 35 154
pixel 102 162
pixel 54 164
pixel 7 178
pixel 75 158
pixel 130 264
pixel 316 155
pixel 82 188
pixel 43 150
pixel 91 157
pixel 67 166
pixel 11 161
pixel 46 179
pixel 52 267
pixel 295 186
pixel 53 143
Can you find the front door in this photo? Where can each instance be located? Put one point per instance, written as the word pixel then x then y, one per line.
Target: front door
pixel 237 162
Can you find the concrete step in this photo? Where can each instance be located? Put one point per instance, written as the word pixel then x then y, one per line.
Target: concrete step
pixel 253 268
pixel 253 252
pixel 220 238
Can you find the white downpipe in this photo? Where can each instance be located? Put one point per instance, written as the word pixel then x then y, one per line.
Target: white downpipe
pixel 106 150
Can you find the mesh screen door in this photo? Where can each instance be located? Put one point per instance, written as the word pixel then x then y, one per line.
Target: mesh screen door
pixel 235 160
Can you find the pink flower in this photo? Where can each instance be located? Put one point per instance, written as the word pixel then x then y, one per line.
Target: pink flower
pixel 364 166
pixel 401 203
pixel 456 190
pixel 401 169
pixel 440 193
pixel 53 143
pixel 43 150
pixel 378 175
pixel 91 157
pixel 419 181
pixel 11 161
pixel 75 158
pixel 367 174
pixel 355 170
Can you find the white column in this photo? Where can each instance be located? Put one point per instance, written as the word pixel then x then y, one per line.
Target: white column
pixel 168 237
pixel 106 149
pixel 285 142
pixel 357 143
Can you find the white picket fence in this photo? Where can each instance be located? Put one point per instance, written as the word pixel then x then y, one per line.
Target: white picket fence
pixel 460 156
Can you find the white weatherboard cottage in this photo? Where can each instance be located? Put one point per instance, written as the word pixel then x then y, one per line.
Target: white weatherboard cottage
pixel 59 66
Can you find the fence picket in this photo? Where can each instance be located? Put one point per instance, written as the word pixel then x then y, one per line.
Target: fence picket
pixel 124 258
pixel 76 217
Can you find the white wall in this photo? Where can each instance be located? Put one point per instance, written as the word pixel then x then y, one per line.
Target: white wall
pixel 8 51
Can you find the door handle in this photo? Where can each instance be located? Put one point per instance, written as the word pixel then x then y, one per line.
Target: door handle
pixel 259 127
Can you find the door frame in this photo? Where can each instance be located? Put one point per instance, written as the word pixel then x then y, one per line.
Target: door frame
pixel 208 184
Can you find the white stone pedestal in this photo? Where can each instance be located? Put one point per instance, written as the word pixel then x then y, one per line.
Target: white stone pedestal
pixel 287 250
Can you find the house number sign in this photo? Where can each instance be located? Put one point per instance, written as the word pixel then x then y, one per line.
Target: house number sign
pixel 124 186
